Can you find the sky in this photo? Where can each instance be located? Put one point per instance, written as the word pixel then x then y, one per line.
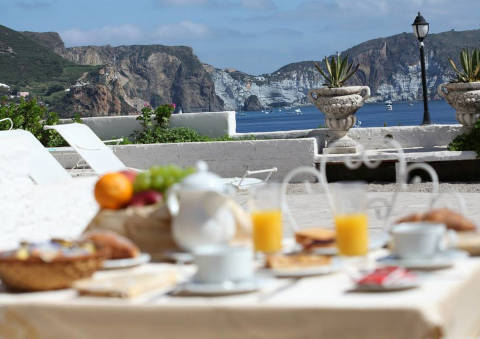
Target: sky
pixel 254 36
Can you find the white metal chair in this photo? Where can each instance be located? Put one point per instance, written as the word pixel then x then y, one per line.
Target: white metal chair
pixel 245 182
pixel 89 146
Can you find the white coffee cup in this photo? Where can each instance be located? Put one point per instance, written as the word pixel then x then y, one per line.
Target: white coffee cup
pixel 418 240
pixel 219 264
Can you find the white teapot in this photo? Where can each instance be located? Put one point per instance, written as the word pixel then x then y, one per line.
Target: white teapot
pixel 200 210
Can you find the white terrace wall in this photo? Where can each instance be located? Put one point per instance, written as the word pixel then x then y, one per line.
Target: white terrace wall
pixel 372 137
pixel 228 159
pixel 212 124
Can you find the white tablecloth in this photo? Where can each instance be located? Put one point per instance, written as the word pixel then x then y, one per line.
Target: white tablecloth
pixel 446 305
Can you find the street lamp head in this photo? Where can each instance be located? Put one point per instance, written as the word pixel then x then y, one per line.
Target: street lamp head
pixel 420 27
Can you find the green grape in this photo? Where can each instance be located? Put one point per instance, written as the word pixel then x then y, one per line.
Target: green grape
pixel 157 170
pixel 158 183
pixel 142 182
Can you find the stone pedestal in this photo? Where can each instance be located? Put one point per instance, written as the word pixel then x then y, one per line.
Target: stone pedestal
pixel 339 106
pixel 465 98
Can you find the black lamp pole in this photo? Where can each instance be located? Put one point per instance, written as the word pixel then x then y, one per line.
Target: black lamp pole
pixel 420 28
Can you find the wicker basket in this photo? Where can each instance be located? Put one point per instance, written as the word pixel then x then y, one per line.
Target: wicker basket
pixel 149 227
pixel 34 274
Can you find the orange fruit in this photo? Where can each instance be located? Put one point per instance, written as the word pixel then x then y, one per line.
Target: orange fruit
pixel 113 190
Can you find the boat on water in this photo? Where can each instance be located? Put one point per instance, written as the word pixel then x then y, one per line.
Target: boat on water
pixel 388 105
pixel 298 111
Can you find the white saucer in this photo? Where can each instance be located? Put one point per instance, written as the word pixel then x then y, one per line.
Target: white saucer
pixel 179 257
pixel 376 241
pixel 226 288
pixel 143 258
pixel 305 271
pixel 444 259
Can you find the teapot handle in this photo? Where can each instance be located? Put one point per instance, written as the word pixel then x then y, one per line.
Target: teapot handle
pixel 173 204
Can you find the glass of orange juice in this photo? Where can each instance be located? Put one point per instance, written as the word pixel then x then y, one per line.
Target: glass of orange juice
pixel 266 214
pixel 351 221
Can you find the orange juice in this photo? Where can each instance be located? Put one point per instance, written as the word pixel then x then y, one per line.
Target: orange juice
pixel 352 233
pixel 267 230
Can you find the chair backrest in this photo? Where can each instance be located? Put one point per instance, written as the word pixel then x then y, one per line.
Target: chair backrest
pixel 42 167
pixel 89 146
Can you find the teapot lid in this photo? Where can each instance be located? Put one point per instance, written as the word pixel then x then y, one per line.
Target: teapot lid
pixel 203 180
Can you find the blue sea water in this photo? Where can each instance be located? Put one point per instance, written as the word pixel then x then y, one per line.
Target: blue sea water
pixel 370 115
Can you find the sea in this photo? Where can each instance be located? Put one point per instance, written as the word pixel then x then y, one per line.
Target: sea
pixel 370 115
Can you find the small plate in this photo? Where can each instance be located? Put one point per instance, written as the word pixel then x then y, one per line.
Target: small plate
pixel 444 259
pixel 301 272
pixel 143 258
pixel 226 288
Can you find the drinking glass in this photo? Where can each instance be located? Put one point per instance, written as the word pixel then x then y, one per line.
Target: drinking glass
pixel 266 214
pixel 351 221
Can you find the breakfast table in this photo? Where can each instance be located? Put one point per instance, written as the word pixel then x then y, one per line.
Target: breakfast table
pixel 445 305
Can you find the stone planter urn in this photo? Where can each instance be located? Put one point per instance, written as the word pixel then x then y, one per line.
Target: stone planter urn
pixel 339 106
pixel 465 98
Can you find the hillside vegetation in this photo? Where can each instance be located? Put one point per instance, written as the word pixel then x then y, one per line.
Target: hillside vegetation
pixel 28 66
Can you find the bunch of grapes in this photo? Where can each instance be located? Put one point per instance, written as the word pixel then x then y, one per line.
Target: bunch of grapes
pixel 160 178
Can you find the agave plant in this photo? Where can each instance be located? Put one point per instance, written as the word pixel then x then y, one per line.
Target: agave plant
pixel 470 64
pixel 338 70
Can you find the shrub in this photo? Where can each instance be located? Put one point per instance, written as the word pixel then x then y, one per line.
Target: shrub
pixel 32 117
pixel 470 66
pixel 338 71
pixel 469 141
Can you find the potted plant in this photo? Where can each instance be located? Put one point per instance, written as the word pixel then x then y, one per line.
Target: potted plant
pixel 338 102
pixel 463 92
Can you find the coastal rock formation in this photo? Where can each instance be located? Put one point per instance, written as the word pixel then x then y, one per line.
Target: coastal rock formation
pixel 151 74
pixel 51 40
pixel 252 104
pixel 389 66
pixel 127 77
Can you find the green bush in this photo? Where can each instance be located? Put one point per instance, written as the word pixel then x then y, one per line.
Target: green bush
pixel 155 129
pixel 32 117
pixel 469 141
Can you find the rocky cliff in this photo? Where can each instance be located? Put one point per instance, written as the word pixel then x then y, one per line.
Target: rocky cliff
pixel 390 66
pixel 130 76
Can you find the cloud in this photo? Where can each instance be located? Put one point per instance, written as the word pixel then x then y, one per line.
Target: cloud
pixel 258 4
pixel 34 4
pixel 220 4
pixel 103 35
pixel 184 30
pixel 176 33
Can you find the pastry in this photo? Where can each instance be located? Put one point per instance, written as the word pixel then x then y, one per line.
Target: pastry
pixel 311 238
pixel 116 246
pixel 451 219
pixel 293 261
pixel 49 265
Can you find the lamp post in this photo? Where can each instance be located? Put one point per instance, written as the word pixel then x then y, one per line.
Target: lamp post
pixel 420 29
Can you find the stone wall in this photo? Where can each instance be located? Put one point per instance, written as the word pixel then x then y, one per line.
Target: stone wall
pixel 428 136
pixel 212 124
pixel 228 159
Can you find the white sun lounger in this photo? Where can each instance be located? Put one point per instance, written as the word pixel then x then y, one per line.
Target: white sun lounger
pixel 89 146
pixel 244 183
pixel 43 168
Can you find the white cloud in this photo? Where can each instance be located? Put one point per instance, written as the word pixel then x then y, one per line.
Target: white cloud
pixel 258 4
pixel 103 35
pixel 221 4
pixel 184 30
pixel 182 2
pixel 175 33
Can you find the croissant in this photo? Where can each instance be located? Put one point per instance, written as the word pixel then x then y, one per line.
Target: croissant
pixel 451 219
